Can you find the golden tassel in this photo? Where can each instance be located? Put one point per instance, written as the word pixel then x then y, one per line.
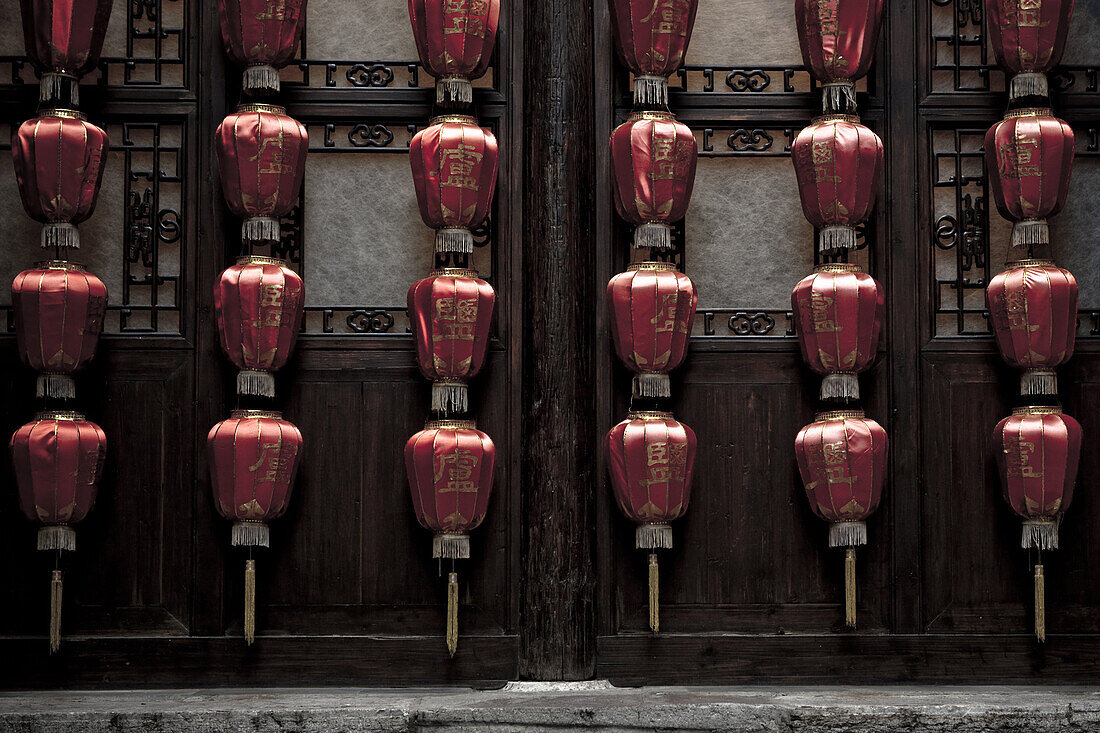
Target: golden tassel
pixel 250 601
pixel 55 612
pixel 452 613
pixel 654 594
pixel 850 588
pixel 1040 605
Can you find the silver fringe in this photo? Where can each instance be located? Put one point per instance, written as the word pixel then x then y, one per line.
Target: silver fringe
pixel 260 229
pixel 652 385
pixel 454 239
pixel 450 397
pixel 1042 535
pixel 56 386
pixel 1030 233
pixel 847 534
pixel 1039 382
pixel 453 89
pixel 650 91
pixel 57 537
pixel 262 78
pixel 256 383
pixel 837 237
pixel 1028 84
pixel 840 385
pixel 451 547
pixel 251 534
pixel 52 90
pixel 653 235
pixel 653 537
pixel 838 97
pixel 60 234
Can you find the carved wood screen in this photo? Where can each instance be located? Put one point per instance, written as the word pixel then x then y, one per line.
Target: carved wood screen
pixel 347 595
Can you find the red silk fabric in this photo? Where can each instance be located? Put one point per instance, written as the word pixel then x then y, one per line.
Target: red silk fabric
pixel 838 163
pixel 450 467
pixel 651 457
pixel 652 36
pixel 262 160
pixel 253 457
pixel 59 160
pixel 451 312
pixel 838 37
pixel 455 37
pixel 454 165
pixel 652 308
pixel 1033 311
pixel 838 313
pixel 842 460
pixel 261 31
pixel 1028 36
pixel 258 304
pixel 58 461
pixel 1038 453
pixel 1029 158
pixel 654 159
pixel 64 36
pixel 59 311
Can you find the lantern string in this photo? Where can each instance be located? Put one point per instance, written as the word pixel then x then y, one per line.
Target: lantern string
pixel 452 613
pixel 654 594
pixel 850 587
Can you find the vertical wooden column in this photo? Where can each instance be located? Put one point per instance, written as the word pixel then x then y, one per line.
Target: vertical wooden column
pixel 560 298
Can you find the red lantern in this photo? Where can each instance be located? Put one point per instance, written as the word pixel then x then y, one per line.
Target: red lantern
pixel 654 159
pixel 262 36
pixel 262 161
pixel 652 309
pixel 651 457
pixel 1039 450
pixel 63 39
pixel 1033 312
pixel 838 163
pixel 1029 158
pixel 652 38
pixel 838 314
pixel 454 165
pixel 59 310
pixel 455 40
pixel 59 160
pixel 838 39
pixel 842 459
pixel 450 312
pixel 58 460
pixel 259 304
pixel 1028 40
pixel 254 457
pixel 450 467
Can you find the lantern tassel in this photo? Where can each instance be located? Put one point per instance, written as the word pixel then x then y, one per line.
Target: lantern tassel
pixel 261 229
pixel 850 587
pixel 256 383
pixel 840 386
pixel 57 234
pixel 650 91
pixel 454 239
pixel 55 612
pixel 261 78
pixel 653 235
pixel 654 594
pixel 56 386
pixel 56 538
pixel 59 90
pixel 251 534
pixel 653 537
pixel 451 547
pixel 652 385
pixel 450 397
pixel 1039 382
pixel 838 97
pixel 837 237
pixel 847 534
pixel 1030 233
pixel 249 601
pixel 1028 84
pixel 452 613
pixel 453 89
pixel 1040 605
pixel 1041 535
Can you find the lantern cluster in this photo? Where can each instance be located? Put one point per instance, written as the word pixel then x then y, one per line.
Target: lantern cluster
pixel 454 163
pixel 259 302
pixel 838 309
pixel 652 304
pixel 1033 303
pixel 58 307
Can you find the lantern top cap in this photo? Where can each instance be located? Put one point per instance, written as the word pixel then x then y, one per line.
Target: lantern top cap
pixel 68 114
pixel 650 114
pixel 59 265
pixel 261 107
pixel 1030 262
pixel 839 415
pixel 649 415
pixel 455 272
pixel 69 415
pixel 1036 410
pixel 1029 112
pixel 258 260
pixel 255 415
pixel 651 267
pixel 450 425
pixel 838 267
pixel 827 119
pixel 454 119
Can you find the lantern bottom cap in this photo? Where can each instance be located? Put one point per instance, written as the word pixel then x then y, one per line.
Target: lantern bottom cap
pixel 251 534
pixel 57 537
pixel 1039 382
pixel 261 78
pixel 57 234
pixel 260 229
pixel 453 89
pixel 1030 233
pixel 56 386
pixel 653 537
pixel 454 239
pixel 840 385
pixel 652 385
pixel 1040 534
pixel 837 236
pixel 650 91
pixel 449 546
pixel 653 235
pixel 848 534
pixel 256 383
pixel 1028 84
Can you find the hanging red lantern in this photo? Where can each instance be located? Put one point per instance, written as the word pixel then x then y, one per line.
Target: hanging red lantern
pixel 1033 312
pixel 1028 39
pixel 654 159
pixel 454 166
pixel 259 305
pixel 450 312
pixel 450 467
pixel 455 40
pixel 1029 158
pixel 254 457
pixel 838 39
pixel 1038 453
pixel 59 158
pixel 59 310
pixel 652 38
pixel 58 460
pixel 838 313
pixel 64 39
pixel 652 309
pixel 838 163
pixel 262 161
pixel 262 36
pixel 651 457
pixel 842 460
